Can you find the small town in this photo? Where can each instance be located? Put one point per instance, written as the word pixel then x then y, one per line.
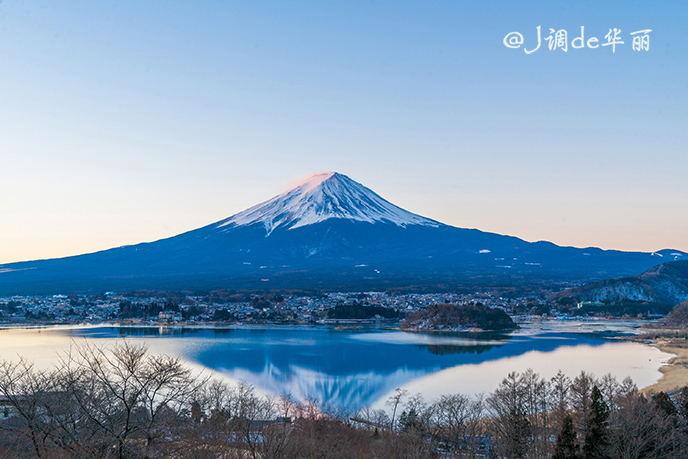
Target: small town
pixel 240 308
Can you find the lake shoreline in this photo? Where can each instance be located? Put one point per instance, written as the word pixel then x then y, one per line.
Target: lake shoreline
pixel 369 359
pixel 675 371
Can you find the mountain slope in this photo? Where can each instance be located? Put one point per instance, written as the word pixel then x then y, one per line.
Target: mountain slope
pixel 666 284
pixel 327 232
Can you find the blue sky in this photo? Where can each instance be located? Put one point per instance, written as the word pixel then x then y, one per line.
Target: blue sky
pixel 129 121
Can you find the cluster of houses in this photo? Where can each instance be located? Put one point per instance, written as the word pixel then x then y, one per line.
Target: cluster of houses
pixel 247 308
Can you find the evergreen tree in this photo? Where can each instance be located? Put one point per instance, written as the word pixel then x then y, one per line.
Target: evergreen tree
pixel 664 403
pixel 566 447
pixel 409 421
pixel 597 433
pixel 683 402
pixel 196 412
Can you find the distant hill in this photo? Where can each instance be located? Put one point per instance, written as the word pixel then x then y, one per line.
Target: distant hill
pixel 678 317
pixel 659 288
pixel 457 317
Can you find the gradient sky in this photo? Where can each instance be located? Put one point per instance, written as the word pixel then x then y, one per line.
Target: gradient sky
pixel 124 121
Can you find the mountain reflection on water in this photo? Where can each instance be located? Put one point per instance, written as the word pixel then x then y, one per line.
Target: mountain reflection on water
pixel 344 370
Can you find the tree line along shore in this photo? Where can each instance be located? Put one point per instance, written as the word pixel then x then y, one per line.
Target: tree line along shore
pixel 128 402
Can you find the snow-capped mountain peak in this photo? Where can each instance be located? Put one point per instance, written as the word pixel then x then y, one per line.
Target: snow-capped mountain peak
pixel 322 197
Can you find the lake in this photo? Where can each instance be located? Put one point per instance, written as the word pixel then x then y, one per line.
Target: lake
pixel 345 370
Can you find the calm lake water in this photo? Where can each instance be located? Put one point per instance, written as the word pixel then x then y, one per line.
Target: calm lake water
pixel 352 369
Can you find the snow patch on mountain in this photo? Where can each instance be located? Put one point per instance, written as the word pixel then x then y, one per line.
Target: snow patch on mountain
pixel 322 197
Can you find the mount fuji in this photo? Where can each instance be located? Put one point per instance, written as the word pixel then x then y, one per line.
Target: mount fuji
pixel 329 231
pixel 322 197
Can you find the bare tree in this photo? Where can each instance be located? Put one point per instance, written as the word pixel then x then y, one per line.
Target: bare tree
pixel 538 412
pixel 98 402
pixel 394 401
pixel 24 389
pixel 457 421
pixel 581 396
pixel 127 402
pixel 559 395
pixel 509 422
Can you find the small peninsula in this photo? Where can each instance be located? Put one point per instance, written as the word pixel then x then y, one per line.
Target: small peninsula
pixel 451 317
